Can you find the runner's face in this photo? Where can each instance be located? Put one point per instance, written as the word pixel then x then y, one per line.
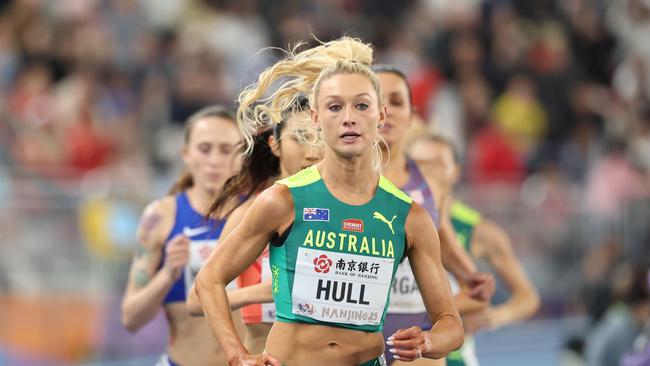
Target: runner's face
pixel 296 148
pixel 398 104
pixel 428 150
pixel 209 153
pixel 348 114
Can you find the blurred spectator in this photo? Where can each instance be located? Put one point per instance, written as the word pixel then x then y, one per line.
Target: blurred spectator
pixel 600 264
pixel 127 30
pixel 640 355
pixel 590 103
pixel 462 110
pixel 592 43
pixel 629 20
pixel 8 56
pixel 640 144
pixel 551 62
pixel 612 184
pixel 158 63
pixel 632 80
pixel 615 334
pixel 508 46
pixel 198 80
pixel 520 115
pixel 453 13
pixel 578 154
pixel 493 159
pixel 86 149
pixel 31 101
pixel 234 30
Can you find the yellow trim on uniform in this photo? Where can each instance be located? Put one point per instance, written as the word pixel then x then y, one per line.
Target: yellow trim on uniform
pixel 310 175
pixel 302 178
pixel 389 187
pixel 464 213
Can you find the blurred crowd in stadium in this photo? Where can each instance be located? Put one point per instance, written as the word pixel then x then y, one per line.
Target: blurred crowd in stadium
pixel 547 100
pixel 525 86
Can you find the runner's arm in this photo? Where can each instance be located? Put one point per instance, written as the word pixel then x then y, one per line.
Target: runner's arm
pixel 272 209
pixel 255 294
pixel 494 245
pixel 192 304
pixel 454 258
pixel 446 334
pixel 147 286
pixel 238 298
pixel 466 304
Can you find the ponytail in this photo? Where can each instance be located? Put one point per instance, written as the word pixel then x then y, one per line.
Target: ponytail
pixel 184 182
pixel 258 166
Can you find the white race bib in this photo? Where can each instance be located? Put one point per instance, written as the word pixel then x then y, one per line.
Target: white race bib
pixel 268 309
pixel 341 287
pixel 200 251
pixel 405 297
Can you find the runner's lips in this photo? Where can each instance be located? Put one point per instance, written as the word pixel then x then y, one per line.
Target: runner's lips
pixel 213 176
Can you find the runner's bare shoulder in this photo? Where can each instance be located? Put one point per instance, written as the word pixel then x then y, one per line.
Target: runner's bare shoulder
pixel 157 221
pixel 273 207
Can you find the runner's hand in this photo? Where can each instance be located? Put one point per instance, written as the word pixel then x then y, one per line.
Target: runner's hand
pixel 177 254
pixel 482 286
pixel 258 360
pixel 475 321
pixel 408 344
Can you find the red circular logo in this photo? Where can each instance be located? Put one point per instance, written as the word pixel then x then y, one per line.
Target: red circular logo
pixel 205 252
pixel 322 264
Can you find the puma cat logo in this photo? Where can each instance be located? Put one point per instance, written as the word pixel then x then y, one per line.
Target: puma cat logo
pixel 380 217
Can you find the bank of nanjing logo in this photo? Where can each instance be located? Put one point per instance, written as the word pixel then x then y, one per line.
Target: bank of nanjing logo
pixel 322 264
pixel 382 218
pixel 316 214
pixel 306 308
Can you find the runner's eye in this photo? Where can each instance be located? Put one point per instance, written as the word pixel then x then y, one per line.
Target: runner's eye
pixel 226 149
pixel 205 148
pixel 334 108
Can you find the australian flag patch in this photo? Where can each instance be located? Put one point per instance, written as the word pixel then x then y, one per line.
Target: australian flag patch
pixel 316 214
